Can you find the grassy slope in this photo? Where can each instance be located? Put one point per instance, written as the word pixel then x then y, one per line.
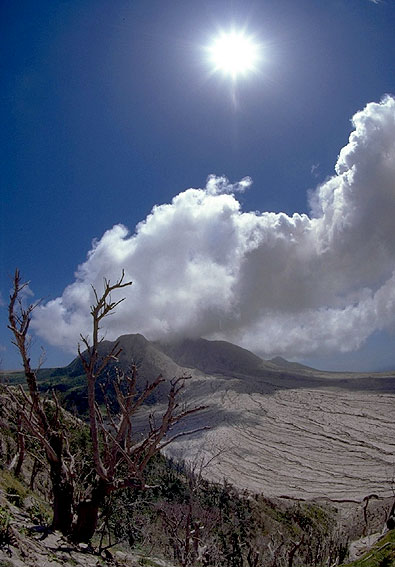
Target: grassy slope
pixel 381 555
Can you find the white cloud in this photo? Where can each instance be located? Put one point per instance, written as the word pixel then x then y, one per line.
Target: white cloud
pixel 274 283
pixel 220 185
pixel 314 170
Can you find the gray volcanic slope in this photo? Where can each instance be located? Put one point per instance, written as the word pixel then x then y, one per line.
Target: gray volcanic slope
pixel 283 429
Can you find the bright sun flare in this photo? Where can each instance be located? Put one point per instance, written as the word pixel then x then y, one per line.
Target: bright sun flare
pixel 234 53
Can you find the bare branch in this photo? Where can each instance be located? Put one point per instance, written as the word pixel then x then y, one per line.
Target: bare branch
pixel 110 417
pixel 182 434
pixel 102 307
pixel 185 413
pixel 19 320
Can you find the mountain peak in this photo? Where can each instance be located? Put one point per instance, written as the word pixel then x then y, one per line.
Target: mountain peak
pixel 212 356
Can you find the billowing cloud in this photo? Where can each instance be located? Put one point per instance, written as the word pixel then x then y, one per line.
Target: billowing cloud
pixel 296 285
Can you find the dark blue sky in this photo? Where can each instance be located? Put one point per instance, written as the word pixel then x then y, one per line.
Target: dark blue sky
pixel 109 108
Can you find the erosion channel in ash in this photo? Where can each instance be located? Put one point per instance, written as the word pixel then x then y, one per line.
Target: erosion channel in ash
pixel 288 430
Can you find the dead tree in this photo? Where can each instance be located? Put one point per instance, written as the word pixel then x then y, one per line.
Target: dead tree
pixel 119 460
pixel 366 501
pixel 295 545
pixel 17 461
pixel 44 426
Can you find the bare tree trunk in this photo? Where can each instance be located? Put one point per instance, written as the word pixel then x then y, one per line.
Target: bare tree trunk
pixel 32 415
pixel 21 456
pixel 21 448
pixel 62 489
pixel 35 469
pixel 293 550
pixel 88 513
pixel 17 461
pixel 62 503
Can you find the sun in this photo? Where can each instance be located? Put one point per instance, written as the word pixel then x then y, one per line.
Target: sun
pixel 234 53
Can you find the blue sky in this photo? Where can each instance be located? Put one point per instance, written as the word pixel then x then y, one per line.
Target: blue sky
pixel 111 108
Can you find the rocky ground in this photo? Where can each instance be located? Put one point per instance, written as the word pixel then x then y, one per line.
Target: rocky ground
pixel 29 545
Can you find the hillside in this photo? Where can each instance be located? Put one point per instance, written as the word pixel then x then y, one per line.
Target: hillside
pixel 213 356
pixel 297 439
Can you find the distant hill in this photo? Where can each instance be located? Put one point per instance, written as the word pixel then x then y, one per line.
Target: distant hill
pixel 212 356
pixel 283 363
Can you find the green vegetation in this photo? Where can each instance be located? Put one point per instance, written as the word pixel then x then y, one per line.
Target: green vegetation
pixel 381 555
pixel 4 526
pixel 69 385
pixel 17 493
pixel 14 489
pixel 146 562
pixel 193 522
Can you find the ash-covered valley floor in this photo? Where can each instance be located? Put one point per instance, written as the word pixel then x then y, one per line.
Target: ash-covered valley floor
pixel 301 443
pixel 291 431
